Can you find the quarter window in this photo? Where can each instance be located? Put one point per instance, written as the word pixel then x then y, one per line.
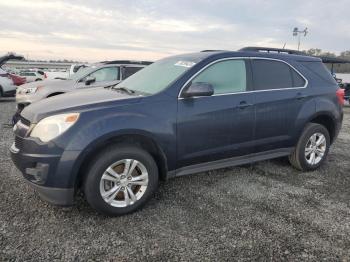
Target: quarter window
pixel 226 77
pixel 269 74
pixel 321 70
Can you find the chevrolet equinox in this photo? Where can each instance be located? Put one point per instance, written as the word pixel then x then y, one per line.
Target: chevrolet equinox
pixel 181 115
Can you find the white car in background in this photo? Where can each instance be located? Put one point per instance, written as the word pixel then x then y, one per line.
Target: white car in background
pixel 32 76
pixel 7 87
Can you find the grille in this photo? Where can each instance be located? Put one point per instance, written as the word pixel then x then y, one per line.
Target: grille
pixel 18 142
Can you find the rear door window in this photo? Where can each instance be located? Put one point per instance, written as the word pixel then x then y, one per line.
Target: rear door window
pixel 270 74
pixel 298 81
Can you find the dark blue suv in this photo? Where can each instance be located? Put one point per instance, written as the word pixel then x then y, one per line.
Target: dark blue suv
pixel 181 115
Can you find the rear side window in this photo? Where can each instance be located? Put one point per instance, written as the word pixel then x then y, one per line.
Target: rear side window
pixel 320 69
pixel 225 77
pixel 269 74
pixel 128 71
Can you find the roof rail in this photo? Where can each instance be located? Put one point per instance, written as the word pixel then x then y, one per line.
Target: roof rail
pixel 209 50
pixel 126 62
pixel 272 50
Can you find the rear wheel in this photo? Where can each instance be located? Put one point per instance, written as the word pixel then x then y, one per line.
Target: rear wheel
pixel 312 148
pixel 121 180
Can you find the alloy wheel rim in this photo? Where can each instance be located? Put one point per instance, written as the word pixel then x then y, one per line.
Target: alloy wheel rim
pixel 124 183
pixel 315 149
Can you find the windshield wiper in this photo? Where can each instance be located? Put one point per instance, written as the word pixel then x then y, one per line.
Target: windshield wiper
pixel 124 89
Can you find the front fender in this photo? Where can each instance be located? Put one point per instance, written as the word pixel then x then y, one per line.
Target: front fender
pixel 148 120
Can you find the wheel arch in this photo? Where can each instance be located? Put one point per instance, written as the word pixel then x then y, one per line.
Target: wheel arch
pixel 328 121
pixel 145 142
pixel 55 94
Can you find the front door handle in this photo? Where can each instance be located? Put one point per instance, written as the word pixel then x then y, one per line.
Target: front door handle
pixel 244 104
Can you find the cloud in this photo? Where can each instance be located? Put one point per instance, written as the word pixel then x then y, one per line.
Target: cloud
pixel 149 29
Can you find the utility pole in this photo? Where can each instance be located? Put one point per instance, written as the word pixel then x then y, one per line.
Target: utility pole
pixel 297 33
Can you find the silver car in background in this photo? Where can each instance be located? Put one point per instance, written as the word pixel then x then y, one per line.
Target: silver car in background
pixel 7 86
pixel 103 74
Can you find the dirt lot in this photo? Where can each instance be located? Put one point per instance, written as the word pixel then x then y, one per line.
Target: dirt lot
pixel 262 211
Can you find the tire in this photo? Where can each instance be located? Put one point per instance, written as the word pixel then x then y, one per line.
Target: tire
pixel 38 79
pixel 1 92
pixel 301 158
pixel 95 185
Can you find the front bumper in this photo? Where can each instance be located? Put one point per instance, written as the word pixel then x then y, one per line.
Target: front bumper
pixel 55 196
pixel 24 99
pixel 46 169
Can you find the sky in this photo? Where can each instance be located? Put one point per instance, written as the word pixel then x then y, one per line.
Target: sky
pixel 92 30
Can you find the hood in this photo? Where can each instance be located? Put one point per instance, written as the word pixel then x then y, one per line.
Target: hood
pixel 55 83
pixel 77 101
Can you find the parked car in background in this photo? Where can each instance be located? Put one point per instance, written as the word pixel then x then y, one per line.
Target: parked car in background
pixel 7 86
pixel 181 115
pixel 17 80
pixel 33 75
pixel 103 74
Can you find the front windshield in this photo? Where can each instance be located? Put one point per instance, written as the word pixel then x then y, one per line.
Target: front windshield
pixel 82 72
pixel 157 76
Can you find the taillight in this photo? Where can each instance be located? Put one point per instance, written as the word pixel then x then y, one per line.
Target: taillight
pixel 45 75
pixel 340 95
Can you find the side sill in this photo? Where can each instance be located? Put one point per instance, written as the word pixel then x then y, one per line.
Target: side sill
pixel 228 162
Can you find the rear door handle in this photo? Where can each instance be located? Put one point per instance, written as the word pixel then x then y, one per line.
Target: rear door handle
pixel 300 96
pixel 244 104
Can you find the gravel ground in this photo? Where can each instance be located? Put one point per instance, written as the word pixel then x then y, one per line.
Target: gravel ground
pixel 263 211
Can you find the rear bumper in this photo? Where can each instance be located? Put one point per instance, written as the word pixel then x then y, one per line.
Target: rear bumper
pixel 338 126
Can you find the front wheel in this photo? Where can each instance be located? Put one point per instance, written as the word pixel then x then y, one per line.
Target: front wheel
pixel 120 180
pixel 312 148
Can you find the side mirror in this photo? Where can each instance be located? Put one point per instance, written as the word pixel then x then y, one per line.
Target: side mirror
pixel 198 89
pixel 89 80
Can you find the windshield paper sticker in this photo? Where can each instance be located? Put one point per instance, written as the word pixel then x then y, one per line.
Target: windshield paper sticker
pixel 185 63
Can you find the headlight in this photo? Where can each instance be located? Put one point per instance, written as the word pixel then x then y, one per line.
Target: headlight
pixel 31 90
pixel 53 126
